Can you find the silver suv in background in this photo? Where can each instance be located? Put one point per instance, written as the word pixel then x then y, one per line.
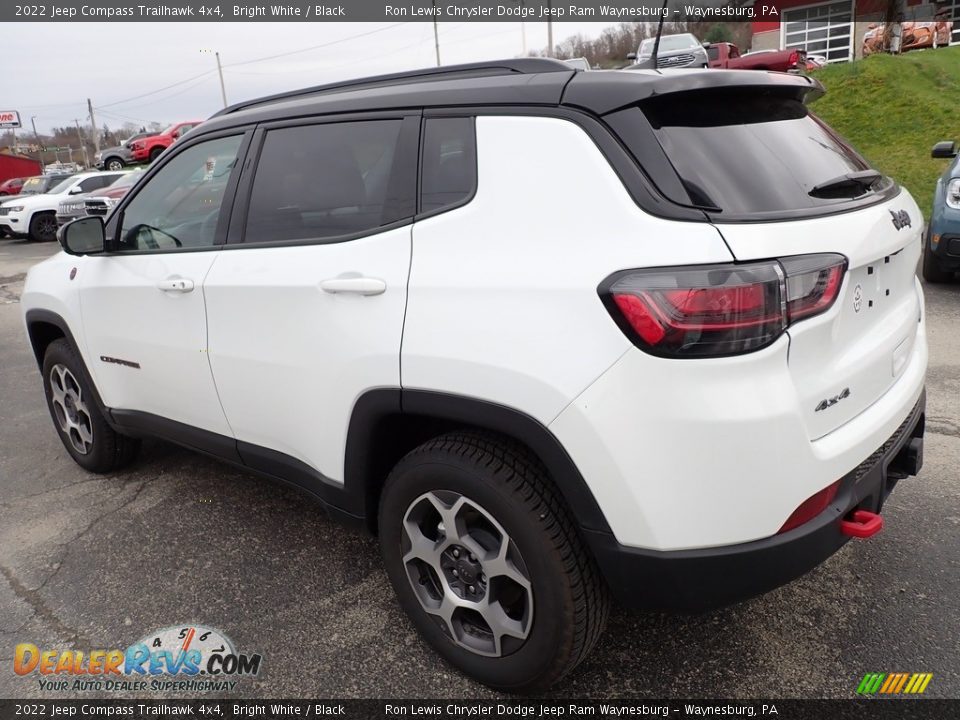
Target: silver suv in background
pixel 675 51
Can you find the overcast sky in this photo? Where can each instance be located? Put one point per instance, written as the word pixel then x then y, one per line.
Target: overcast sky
pixel 53 67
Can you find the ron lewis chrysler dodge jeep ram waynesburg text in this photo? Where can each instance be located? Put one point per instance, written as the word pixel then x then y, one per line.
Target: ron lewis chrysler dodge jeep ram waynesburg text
pixel 553 336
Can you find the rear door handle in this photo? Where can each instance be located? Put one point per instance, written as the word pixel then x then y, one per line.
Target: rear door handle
pixel 176 284
pixel 354 285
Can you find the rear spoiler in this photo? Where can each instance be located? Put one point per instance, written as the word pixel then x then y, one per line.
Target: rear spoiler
pixel 606 92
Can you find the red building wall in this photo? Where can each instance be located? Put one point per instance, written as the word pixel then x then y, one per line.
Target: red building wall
pixel 12 166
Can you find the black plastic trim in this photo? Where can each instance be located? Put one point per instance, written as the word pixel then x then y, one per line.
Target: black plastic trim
pixel 259 460
pixel 701 580
pixel 473 412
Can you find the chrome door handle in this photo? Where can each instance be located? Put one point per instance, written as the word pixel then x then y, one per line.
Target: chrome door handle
pixel 354 285
pixel 176 284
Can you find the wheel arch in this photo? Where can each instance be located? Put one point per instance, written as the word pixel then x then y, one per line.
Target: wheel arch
pixel 387 423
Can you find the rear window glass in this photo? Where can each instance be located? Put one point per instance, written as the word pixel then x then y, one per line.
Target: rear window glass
pixel 750 153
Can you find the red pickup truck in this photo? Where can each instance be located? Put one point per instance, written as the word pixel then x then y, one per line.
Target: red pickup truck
pixel 727 55
pixel 150 147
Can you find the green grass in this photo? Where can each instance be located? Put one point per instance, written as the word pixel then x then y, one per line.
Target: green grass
pixel 893 109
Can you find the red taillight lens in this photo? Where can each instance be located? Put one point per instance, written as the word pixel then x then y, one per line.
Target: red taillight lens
pixel 810 508
pixel 794 58
pixel 717 310
pixel 709 310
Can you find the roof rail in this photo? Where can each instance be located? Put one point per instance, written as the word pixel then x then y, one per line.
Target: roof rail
pixel 523 66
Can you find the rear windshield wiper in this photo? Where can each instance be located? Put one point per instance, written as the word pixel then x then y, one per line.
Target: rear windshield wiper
pixel 852 184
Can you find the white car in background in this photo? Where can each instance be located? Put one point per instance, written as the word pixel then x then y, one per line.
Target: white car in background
pixel 35 217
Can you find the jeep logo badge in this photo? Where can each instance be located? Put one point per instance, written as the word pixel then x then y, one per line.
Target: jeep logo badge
pixel 901 219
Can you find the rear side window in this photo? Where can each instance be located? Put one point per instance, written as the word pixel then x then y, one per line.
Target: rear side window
pixel 752 154
pixel 449 163
pixel 317 182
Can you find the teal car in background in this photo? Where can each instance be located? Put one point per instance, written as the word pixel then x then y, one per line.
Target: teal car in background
pixel 941 245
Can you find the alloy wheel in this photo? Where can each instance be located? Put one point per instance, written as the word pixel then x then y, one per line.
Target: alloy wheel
pixel 70 409
pixel 467 573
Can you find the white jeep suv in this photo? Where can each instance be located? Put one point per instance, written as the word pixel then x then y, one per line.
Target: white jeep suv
pixel 554 336
pixel 35 216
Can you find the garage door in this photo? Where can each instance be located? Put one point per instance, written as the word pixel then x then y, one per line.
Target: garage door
pixel 824 29
pixel 952 12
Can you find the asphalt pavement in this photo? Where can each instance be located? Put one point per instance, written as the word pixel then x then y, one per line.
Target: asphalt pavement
pixel 91 562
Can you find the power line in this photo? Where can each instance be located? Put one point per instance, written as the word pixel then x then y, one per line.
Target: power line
pixel 314 47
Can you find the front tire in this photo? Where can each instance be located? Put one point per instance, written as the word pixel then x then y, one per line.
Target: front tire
pixel 487 562
pixel 93 444
pixel 43 227
pixel 931 270
pixel 155 153
pixel 113 164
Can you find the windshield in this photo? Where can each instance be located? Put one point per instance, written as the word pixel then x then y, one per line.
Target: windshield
pixel 126 180
pixel 667 43
pixel 60 187
pixel 33 186
pixel 168 131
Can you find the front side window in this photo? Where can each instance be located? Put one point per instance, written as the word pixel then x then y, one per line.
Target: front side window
pixel 317 182
pixel 180 205
pixel 449 163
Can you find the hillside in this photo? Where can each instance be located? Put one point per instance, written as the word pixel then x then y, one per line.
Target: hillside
pixel 893 109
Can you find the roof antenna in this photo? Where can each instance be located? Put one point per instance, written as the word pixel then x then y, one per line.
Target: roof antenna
pixel 651 62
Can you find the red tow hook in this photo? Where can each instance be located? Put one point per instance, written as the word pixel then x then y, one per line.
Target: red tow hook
pixel 862 524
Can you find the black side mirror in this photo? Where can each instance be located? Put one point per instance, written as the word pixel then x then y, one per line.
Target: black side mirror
pixel 947 150
pixel 83 236
pixel 631 56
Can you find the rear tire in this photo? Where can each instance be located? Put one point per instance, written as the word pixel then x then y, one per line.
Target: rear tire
pixel 155 153
pixel 43 227
pixel 932 272
pixel 514 561
pixel 113 164
pixel 76 415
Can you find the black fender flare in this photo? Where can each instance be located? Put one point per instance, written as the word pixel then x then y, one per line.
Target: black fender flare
pixel 380 412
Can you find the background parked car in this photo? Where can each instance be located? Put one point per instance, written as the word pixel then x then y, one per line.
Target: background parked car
pixel 113 158
pixel 914 35
pixel 941 245
pixel 35 217
pixel 727 55
pixel 11 186
pixel 148 149
pixel 98 202
pixel 40 184
pixel 675 51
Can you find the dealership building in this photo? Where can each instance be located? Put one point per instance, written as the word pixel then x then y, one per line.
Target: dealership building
pixel 835 28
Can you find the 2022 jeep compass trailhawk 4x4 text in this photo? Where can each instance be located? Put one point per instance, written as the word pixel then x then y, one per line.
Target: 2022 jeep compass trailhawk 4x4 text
pixel 556 337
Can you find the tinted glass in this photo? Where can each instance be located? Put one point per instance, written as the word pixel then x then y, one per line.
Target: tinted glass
pixel 750 153
pixel 325 181
pixel 180 205
pixel 449 162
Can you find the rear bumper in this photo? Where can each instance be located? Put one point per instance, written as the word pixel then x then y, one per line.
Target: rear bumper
pixel 700 580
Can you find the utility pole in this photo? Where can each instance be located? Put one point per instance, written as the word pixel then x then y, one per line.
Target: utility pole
pixel 36 135
pixel 436 33
pixel 93 124
pixel 549 29
pixel 83 145
pixel 223 88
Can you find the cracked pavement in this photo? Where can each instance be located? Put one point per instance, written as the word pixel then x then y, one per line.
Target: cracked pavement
pixel 90 562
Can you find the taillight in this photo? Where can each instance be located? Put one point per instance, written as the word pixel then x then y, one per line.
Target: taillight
pixel 810 508
pixel 794 58
pixel 719 310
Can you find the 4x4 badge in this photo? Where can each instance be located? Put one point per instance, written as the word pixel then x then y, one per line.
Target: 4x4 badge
pixel 830 402
pixel 901 219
